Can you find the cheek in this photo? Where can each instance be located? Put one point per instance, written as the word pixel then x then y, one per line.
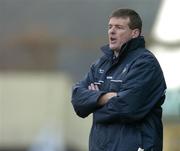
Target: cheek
pixel 124 37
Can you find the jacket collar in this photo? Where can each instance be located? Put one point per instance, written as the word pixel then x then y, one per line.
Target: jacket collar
pixel 131 45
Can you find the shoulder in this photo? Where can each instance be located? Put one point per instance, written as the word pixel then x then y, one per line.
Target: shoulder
pixel 147 58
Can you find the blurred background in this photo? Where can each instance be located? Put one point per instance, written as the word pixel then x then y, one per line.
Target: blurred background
pixel 48 45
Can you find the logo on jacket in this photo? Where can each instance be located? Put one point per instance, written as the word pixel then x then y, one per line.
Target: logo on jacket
pixel 124 70
pixel 101 71
pixel 109 77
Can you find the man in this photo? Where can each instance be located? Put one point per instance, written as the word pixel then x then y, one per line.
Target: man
pixel 124 90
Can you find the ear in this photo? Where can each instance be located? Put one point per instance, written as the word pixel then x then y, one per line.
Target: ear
pixel 135 33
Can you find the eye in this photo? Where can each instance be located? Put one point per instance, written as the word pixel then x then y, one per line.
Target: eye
pixel 119 27
pixel 109 26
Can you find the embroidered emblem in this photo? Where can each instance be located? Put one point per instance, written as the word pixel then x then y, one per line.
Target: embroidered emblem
pixel 124 70
pixel 116 80
pixel 101 71
pixel 109 77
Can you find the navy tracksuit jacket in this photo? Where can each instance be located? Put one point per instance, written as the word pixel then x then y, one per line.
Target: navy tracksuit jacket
pixel 132 119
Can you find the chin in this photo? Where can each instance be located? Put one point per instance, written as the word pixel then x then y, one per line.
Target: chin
pixel 113 48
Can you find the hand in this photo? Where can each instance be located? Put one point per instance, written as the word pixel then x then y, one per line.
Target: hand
pixel 93 87
pixel 106 97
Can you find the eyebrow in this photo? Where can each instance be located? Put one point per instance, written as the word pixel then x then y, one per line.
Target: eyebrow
pixel 115 25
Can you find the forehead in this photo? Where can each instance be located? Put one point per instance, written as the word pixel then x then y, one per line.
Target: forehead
pixel 119 21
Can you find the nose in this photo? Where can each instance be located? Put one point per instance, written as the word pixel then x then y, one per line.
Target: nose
pixel 112 30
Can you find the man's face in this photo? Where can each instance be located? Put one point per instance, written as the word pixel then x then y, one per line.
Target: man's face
pixel 119 32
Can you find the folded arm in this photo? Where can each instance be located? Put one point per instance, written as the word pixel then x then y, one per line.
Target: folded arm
pixel 85 96
pixel 141 90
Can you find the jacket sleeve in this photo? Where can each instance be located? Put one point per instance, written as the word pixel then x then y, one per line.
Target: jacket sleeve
pixel 142 89
pixel 84 100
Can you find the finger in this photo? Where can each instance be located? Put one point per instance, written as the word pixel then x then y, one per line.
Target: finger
pixel 96 87
pixel 92 86
pixel 89 87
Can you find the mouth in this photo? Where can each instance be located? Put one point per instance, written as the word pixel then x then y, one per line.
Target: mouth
pixel 113 40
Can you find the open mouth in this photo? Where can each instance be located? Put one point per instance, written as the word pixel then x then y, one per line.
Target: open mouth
pixel 113 40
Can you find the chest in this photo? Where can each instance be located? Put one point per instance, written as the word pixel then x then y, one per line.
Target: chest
pixel 110 77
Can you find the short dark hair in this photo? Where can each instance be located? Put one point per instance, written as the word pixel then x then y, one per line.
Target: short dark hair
pixel 135 19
